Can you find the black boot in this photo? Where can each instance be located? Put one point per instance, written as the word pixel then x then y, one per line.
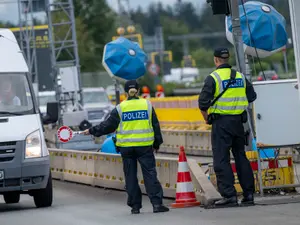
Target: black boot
pixel 160 209
pixel 135 210
pixel 248 200
pixel 227 202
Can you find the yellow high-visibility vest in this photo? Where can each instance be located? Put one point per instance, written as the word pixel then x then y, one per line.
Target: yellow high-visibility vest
pixel 135 128
pixel 234 101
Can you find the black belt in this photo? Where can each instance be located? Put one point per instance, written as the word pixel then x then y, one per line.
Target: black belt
pixel 215 116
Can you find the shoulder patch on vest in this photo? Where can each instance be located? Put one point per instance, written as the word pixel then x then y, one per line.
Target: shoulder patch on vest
pixel 135 115
pixel 239 83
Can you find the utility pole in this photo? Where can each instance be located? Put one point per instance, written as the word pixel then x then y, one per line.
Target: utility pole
pixel 160 47
pixel 237 36
pixel 241 60
pixel 117 83
pixel 295 18
pixel 121 24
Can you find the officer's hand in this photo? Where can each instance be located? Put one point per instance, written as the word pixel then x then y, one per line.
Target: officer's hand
pixel 86 132
pixel 155 149
pixel 205 115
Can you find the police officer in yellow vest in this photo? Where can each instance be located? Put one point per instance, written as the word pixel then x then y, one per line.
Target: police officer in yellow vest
pixel 138 135
pixel 227 116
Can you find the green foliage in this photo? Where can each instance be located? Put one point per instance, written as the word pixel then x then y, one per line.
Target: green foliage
pixel 169 87
pixel 264 66
pixel 95 25
pixel 147 80
pixel 204 58
pixel 89 58
pixel 150 81
pixel 98 19
pixel 291 60
pixel 174 27
pixel 275 58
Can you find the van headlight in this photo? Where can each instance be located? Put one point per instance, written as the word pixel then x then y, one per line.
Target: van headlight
pixel 33 145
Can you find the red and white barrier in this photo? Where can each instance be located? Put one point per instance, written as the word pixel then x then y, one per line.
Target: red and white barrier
pixel 268 164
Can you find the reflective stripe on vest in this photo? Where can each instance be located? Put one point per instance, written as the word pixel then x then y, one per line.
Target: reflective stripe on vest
pixel 234 101
pixel 140 112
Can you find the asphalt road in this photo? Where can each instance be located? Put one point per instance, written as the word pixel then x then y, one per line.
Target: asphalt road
pixel 83 205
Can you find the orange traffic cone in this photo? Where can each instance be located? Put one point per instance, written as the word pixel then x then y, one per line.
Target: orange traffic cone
pixel 185 195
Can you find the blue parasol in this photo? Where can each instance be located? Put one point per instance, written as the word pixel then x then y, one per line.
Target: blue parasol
pixel 267 25
pixel 124 59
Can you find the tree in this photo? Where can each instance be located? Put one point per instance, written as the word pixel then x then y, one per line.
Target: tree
pixel 258 67
pixel 204 58
pixel 186 12
pixel 89 59
pixel 174 27
pixel 90 48
pixel 99 21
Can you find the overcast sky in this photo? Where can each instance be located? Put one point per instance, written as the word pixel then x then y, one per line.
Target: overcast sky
pixel 9 11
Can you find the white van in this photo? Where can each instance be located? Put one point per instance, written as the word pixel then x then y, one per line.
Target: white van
pixel 24 157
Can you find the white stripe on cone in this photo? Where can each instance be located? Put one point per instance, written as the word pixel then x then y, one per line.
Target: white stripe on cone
pixel 185 187
pixel 183 167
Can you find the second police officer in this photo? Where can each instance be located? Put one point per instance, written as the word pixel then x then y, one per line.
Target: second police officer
pixel 138 135
pixel 223 102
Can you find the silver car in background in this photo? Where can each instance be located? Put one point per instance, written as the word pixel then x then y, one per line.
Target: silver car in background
pixel 95 101
pixel 43 98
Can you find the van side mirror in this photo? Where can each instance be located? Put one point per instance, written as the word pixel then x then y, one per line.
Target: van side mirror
pixel 52 113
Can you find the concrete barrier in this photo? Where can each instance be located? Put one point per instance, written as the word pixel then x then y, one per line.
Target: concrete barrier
pixel 196 143
pixel 210 194
pixel 106 170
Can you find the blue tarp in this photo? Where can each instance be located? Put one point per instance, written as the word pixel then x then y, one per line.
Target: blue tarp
pixel 108 145
pixel 264 153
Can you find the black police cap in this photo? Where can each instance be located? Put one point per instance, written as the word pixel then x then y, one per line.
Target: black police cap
pixel 131 84
pixel 222 53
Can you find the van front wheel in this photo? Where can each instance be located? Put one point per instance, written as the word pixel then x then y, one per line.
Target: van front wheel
pixel 44 197
pixel 11 197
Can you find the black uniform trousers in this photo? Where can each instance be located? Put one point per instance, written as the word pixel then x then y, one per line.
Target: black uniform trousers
pixel 228 133
pixel 145 156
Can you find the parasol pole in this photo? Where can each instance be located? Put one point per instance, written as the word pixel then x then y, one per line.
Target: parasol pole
pixel 117 89
pixel 117 83
pixel 240 56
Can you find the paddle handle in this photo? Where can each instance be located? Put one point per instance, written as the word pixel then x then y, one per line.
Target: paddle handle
pixel 77 132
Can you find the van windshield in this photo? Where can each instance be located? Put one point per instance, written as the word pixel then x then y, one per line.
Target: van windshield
pixel 15 95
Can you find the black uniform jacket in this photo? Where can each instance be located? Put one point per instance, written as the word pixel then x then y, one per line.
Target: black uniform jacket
pixel 207 94
pixel 111 124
